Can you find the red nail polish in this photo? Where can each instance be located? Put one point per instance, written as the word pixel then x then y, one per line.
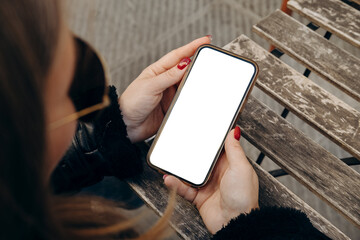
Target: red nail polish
pixel 210 37
pixel 165 176
pixel 183 63
pixel 237 133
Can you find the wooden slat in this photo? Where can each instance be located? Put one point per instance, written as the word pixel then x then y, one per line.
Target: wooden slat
pixel 332 15
pixel 331 116
pixel 299 94
pixel 317 169
pixel 187 221
pixel 273 193
pixel 320 171
pixel 314 51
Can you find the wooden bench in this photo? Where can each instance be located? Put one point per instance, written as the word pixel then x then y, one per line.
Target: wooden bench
pixel 305 98
pixel 255 118
pixel 298 155
pixel 320 171
pixel 327 176
pixel 298 41
pixel 332 15
pixel 291 150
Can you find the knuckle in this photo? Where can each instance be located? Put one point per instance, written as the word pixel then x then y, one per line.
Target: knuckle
pixel 234 146
pixel 146 70
pixel 177 53
pixel 154 69
pixel 173 52
pixel 171 73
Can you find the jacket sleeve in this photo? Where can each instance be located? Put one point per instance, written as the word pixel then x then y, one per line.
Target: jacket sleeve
pixel 100 148
pixel 270 223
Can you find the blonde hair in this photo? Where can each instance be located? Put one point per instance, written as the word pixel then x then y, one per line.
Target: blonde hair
pixel 90 217
pixel 29 32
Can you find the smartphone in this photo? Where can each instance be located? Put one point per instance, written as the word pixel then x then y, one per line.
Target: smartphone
pixel 205 107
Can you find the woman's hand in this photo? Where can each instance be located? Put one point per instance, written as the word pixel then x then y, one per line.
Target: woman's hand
pixel 233 188
pixel 145 102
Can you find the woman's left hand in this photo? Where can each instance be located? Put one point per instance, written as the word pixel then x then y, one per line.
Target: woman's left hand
pixel 147 99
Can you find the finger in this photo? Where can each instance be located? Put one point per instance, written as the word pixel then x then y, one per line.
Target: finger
pixel 173 58
pixel 234 152
pixel 182 189
pixel 167 98
pixel 171 76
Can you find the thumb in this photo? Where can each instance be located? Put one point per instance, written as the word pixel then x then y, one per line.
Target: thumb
pixel 181 188
pixel 171 76
pixel 234 152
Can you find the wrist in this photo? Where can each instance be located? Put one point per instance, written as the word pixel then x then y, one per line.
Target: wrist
pixel 131 135
pixel 231 214
pixel 129 129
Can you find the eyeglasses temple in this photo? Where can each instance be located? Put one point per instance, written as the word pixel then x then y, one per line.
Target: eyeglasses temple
pixel 81 113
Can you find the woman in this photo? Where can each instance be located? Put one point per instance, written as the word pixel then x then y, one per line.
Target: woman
pixel 49 80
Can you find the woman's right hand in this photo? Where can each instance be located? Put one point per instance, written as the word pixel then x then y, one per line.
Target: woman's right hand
pixel 233 188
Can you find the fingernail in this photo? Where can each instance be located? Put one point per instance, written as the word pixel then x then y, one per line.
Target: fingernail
pixel 237 133
pixel 183 63
pixel 165 176
pixel 210 37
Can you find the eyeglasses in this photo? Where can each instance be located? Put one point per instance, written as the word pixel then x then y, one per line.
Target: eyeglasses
pixel 88 90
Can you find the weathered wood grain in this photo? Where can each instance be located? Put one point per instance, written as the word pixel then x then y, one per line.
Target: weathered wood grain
pixel 332 15
pixel 322 110
pixel 313 166
pixel 273 193
pixel 187 221
pixel 314 51
pixel 309 163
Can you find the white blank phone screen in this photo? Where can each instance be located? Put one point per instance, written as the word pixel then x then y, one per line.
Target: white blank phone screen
pixel 202 115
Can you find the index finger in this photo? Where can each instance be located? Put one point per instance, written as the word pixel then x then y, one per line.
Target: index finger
pixel 175 56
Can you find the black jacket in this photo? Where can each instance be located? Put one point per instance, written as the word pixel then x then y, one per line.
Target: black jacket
pixel 98 149
pixel 102 148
